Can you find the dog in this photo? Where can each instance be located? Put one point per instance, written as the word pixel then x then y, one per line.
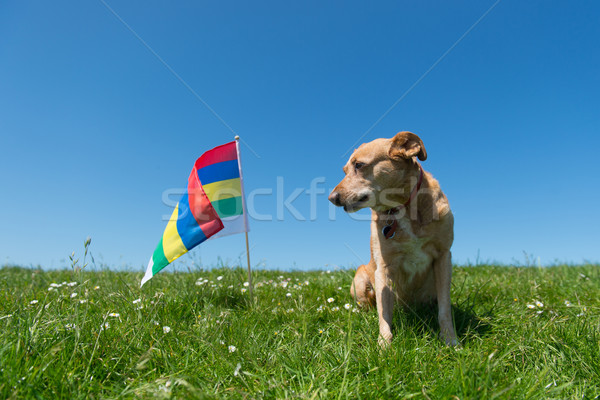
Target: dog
pixel 362 289
pixel 412 230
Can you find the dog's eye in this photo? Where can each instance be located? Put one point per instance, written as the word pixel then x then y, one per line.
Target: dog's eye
pixel 358 165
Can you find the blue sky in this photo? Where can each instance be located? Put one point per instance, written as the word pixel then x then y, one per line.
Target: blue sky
pixel 95 128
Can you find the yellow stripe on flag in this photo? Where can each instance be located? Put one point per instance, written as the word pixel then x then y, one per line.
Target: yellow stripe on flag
pixel 223 189
pixel 172 245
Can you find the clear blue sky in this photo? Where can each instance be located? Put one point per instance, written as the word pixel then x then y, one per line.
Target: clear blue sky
pixel 94 127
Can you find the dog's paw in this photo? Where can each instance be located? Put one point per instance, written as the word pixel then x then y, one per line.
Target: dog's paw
pixel 450 340
pixel 385 340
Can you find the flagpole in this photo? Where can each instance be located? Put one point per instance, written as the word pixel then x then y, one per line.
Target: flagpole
pixel 250 286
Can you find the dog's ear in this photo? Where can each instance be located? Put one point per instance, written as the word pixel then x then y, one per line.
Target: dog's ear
pixel 407 145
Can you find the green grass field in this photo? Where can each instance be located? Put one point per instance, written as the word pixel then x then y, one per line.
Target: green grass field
pixel 527 333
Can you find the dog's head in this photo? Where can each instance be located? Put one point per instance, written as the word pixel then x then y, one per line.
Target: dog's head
pixel 362 288
pixel 379 174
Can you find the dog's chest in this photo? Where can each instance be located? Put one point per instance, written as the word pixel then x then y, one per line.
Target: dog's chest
pixel 406 249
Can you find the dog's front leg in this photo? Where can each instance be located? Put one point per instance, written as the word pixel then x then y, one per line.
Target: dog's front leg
pixel 385 304
pixel 443 274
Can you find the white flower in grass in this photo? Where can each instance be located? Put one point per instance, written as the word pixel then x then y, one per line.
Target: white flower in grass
pixel 306 283
pixel 156 323
pixel 73 295
pixel 96 287
pixel 70 326
pixel 290 310
pixel 335 309
pixel 244 290
pixel 539 303
pixel 530 306
pixel 82 301
pixel 237 369
pixel 568 303
pixel 55 285
pixel 246 284
pixel 219 278
pixel 71 284
pixel 166 329
pixel 339 288
pixel 347 306
pixel 232 349
pixel 136 301
pixel 104 326
pixel 330 300
pixel 114 314
pixel 320 309
pixel 33 302
pixel 288 295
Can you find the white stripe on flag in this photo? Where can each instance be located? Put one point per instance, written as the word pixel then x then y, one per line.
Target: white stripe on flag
pixel 231 225
pixel 148 274
pixel 245 211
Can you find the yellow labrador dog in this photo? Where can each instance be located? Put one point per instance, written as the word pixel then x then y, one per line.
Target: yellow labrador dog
pixel 411 230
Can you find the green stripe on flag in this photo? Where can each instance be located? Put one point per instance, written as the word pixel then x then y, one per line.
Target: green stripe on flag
pixel 158 258
pixel 228 207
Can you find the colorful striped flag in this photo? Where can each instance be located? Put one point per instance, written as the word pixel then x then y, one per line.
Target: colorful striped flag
pixel 213 206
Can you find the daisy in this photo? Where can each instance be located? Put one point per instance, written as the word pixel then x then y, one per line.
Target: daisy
pixel 232 349
pixel 33 302
pixel 330 300
pixel 166 329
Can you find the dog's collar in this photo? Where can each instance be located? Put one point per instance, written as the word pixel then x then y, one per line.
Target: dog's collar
pixel 389 230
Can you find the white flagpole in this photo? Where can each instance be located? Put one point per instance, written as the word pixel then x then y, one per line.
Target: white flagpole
pixel 250 286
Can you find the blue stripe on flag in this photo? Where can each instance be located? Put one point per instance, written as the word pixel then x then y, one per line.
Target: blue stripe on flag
pixel 219 172
pixel 190 232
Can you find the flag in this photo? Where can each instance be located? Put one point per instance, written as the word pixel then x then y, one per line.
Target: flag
pixel 213 206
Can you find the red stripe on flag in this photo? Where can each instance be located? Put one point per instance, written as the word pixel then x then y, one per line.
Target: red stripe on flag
pixel 225 152
pixel 201 208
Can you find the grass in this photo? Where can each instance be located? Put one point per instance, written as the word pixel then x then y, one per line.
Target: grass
pixel 93 339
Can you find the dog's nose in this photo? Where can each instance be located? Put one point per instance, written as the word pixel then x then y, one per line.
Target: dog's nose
pixel 334 197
